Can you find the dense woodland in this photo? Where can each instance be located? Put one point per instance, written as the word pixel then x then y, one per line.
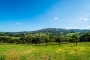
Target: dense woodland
pixel 45 36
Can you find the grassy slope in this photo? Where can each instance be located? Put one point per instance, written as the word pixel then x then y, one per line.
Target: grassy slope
pixel 51 52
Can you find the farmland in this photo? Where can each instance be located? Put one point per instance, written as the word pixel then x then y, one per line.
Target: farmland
pixel 46 44
pixel 52 51
pixel 44 30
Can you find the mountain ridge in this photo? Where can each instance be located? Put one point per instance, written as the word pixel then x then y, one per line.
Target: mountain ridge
pixel 54 30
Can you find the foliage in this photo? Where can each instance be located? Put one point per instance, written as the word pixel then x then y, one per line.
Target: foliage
pixel 44 37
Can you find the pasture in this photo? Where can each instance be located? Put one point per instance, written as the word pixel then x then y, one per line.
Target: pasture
pixel 42 52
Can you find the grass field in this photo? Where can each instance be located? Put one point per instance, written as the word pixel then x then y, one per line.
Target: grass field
pixel 41 52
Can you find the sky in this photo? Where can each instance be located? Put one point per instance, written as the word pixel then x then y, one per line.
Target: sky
pixel 29 15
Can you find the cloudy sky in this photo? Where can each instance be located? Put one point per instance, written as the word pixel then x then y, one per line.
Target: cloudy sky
pixel 28 15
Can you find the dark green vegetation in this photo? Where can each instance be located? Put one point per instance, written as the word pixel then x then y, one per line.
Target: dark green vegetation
pixel 45 36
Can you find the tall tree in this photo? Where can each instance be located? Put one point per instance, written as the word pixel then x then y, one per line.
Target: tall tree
pixel 58 40
pixel 75 38
pixel 46 40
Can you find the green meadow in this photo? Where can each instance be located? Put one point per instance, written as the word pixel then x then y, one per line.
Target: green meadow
pixel 67 51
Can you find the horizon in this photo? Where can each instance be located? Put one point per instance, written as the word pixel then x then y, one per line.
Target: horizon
pixel 46 28
pixel 31 15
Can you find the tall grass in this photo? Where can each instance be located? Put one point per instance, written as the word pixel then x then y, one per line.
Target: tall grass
pixel 41 52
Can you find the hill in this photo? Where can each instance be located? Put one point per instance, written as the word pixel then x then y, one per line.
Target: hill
pixel 50 30
pixel 59 30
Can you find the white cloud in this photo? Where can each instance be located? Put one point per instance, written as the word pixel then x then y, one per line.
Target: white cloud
pixel 57 27
pixel 71 27
pixel 17 23
pixel 85 19
pixel 27 26
pixel 56 18
pixel 66 28
pixel 88 26
pixel 74 28
pixel 80 18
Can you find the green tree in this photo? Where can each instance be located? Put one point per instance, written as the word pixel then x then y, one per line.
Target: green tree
pixel 36 40
pixel 58 40
pixel 46 40
pixel 75 38
pixel 85 37
pixel 29 39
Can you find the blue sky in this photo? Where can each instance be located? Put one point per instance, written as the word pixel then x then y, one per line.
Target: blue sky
pixel 29 15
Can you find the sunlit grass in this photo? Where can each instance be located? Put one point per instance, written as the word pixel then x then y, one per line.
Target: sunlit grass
pixel 41 52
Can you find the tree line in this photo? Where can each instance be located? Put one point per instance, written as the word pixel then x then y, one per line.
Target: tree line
pixel 37 38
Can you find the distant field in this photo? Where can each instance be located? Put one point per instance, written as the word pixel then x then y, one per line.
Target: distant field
pixel 41 52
